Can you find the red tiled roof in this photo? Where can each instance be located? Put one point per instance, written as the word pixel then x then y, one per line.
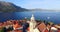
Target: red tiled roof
pixel 17 26
pixel 58 31
pixel 41 26
pixel 18 30
pixel 28 29
pixel 46 30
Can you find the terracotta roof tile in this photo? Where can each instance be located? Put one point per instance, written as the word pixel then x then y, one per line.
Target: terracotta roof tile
pixel 41 26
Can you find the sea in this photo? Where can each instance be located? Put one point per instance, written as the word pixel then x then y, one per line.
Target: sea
pixel 39 15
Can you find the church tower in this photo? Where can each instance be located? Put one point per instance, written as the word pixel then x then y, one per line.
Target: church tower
pixel 32 23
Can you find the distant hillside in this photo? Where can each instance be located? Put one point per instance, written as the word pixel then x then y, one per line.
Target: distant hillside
pixel 38 9
pixel 10 7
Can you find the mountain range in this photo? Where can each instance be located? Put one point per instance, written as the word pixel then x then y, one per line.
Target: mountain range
pixel 10 7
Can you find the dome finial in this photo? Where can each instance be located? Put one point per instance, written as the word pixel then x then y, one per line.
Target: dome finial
pixel 32 15
pixel 32 18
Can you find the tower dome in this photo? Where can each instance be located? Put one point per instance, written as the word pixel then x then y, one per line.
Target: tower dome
pixel 32 18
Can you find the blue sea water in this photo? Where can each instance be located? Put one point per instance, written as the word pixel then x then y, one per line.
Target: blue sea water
pixel 41 15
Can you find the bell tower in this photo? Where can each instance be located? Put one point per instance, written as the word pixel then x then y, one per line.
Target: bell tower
pixel 32 23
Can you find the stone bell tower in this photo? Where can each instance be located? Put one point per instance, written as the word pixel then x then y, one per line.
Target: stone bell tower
pixel 32 23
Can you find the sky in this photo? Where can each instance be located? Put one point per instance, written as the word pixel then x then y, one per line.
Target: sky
pixel 32 4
